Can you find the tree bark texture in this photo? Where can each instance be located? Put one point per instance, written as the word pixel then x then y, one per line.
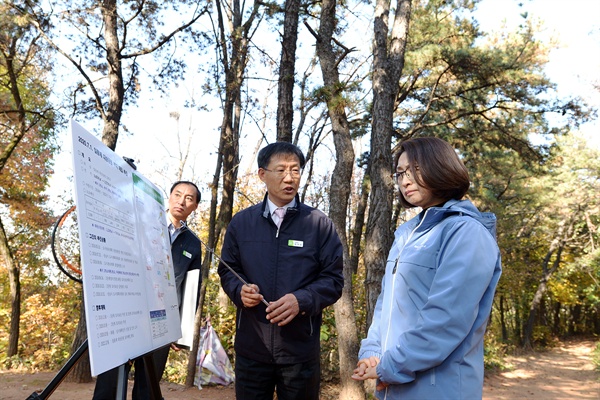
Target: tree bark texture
pixel 116 91
pixel 81 372
pixel 388 62
pixel 339 194
pixel 359 223
pixel 287 72
pixel 15 293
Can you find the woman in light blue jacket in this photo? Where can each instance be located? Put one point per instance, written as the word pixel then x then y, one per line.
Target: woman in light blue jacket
pixel 426 337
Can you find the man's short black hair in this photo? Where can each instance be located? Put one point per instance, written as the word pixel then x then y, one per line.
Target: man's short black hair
pixel 187 183
pixel 267 152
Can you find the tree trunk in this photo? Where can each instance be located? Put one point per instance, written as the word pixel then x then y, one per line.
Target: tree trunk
pixel 214 187
pixel 234 66
pixel 556 319
pixel 564 232
pixel 287 72
pixel 359 223
pixel 519 320
pixel 81 372
pixel 537 298
pixel 503 320
pixel 191 366
pixel 15 293
pixel 535 303
pixel 388 62
pixel 116 91
pixel 339 194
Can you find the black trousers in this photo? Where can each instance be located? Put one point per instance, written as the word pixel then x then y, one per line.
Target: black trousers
pixel 106 382
pixel 255 380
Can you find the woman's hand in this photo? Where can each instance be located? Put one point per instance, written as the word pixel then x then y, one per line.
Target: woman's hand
pixel 366 368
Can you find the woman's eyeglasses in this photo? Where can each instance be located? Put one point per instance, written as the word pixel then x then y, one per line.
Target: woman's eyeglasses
pixel 399 175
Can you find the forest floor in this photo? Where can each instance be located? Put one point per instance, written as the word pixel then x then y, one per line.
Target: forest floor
pixel 564 371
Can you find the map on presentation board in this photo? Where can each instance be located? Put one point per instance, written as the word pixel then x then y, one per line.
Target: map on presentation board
pixel 128 281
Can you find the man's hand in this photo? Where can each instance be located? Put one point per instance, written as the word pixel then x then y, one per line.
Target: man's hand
pixel 283 311
pixel 250 295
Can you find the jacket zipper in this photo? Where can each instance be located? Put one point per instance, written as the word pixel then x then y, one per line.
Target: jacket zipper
pixel 272 330
pixel 389 318
pixel 387 334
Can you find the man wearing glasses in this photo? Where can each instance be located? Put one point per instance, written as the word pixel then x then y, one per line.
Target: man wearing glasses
pixel 291 257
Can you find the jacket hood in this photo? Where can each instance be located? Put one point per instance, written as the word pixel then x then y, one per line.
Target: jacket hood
pixel 460 207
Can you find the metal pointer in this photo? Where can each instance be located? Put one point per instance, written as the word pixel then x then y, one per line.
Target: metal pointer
pixel 231 269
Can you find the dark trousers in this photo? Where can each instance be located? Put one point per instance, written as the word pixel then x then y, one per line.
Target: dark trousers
pixel 255 380
pixel 106 382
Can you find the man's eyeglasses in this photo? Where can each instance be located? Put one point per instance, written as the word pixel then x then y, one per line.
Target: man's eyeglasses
pixel 399 175
pixel 282 173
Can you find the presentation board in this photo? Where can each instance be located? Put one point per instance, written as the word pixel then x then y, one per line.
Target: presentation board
pixel 128 280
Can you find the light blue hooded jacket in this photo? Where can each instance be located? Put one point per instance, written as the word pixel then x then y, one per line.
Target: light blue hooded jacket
pixel 436 297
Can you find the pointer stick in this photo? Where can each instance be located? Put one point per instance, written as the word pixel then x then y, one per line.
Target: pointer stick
pixel 231 269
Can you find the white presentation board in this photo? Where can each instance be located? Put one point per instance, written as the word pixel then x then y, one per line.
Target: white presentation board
pixel 128 280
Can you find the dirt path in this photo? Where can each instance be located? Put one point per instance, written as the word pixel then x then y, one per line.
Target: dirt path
pixel 564 372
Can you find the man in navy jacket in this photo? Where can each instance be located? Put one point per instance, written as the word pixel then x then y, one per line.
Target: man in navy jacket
pixel 293 263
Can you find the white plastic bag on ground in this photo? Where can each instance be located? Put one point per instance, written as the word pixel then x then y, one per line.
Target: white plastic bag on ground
pixel 212 363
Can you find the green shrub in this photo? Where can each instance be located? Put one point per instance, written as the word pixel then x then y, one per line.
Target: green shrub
pixel 596 357
pixel 493 352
